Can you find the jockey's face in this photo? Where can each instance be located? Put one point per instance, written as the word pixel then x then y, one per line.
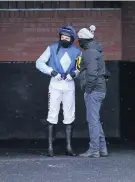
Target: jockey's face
pixel 65 37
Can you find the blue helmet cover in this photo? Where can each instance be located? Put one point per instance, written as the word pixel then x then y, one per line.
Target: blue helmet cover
pixel 68 30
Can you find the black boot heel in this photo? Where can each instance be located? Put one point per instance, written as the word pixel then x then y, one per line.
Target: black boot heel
pixel 50 152
pixel 69 150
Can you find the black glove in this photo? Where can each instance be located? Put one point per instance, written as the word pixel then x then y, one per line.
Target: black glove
pixel 54 73
pixel 107 74
pixel 73 75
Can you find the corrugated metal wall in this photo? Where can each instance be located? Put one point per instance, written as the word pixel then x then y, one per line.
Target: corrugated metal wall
pixel 58 4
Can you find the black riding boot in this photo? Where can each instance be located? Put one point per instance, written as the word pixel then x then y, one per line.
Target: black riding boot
pixel 50 139
pixel 68 140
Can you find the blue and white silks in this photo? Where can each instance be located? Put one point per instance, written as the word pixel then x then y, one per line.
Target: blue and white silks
pixel 64 62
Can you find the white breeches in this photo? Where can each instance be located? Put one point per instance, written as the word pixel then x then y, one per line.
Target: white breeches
pixel 61 91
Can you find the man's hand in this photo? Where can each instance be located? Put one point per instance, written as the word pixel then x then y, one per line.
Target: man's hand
pixel 69 78
pixel 56 75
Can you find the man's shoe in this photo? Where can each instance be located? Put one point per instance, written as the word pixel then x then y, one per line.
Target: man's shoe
pixel 88 153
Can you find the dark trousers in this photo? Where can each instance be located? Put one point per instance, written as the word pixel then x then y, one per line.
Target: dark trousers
pixel 93 102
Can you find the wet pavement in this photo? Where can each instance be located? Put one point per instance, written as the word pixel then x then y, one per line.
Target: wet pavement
pixel 32 165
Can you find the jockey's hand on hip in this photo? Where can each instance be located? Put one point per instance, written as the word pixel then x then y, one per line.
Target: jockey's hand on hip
pixel 56 75
pixel 70 76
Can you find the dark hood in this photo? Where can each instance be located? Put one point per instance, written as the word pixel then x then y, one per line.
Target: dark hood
pixel 93 44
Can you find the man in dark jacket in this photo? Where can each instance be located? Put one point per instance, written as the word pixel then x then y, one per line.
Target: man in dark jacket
pixel 93 84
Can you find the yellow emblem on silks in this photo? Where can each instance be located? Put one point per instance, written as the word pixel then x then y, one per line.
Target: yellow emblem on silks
pixel 78 62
